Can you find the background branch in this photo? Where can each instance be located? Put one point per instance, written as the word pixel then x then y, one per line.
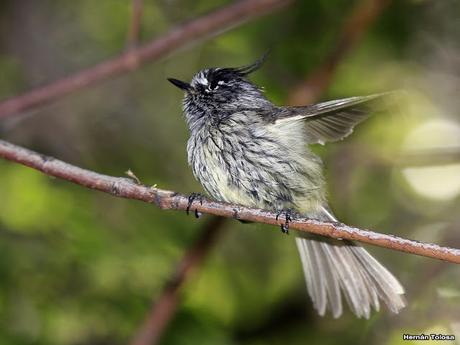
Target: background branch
pixel 429 157
pixel 359 21
pixel 202 27
pixel 168 200
pixel 135 24
pixel 163 310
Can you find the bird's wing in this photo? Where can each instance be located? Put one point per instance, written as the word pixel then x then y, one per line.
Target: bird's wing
pixel 332 120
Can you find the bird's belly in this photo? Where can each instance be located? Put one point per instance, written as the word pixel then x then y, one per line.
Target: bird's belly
pixel 264 178
pixel 262 172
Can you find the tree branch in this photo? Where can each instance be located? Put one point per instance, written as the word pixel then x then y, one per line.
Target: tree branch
pixel 429 157
pixel 200 28
pixel 162 311
pixel 135 24
pixel 359 21
pixel 168 200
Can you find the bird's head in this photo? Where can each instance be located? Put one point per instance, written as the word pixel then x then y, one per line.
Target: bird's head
pixel 218 91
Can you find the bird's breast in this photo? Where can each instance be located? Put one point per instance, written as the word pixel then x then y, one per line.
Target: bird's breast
pixel 216 164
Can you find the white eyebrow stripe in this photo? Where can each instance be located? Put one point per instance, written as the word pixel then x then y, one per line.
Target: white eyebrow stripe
pixel 201 79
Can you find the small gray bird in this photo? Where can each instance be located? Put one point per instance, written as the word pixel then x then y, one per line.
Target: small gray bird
pixel 245 150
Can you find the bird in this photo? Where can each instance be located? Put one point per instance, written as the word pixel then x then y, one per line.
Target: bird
pixel 246 150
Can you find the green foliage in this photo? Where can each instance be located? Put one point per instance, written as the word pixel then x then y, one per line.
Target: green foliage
pixel 80 267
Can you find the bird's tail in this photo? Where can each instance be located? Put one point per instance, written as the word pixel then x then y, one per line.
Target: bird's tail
pixel 334 267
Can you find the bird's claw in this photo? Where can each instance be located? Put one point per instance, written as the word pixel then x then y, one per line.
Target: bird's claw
pixel 191 199
pixel 288 214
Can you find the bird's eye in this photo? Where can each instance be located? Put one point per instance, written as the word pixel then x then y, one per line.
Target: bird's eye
pixel 214 84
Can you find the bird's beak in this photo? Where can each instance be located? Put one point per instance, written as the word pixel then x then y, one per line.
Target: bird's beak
pixel 180 84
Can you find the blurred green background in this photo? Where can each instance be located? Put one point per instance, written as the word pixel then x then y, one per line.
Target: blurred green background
pixel 81 267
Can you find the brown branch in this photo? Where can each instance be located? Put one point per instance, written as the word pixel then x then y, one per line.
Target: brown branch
pixel 200 28
pixel 163 310
pixel 168 200
pixel 429 157
pixel 135 25
pixel 359 21
pixel 404 159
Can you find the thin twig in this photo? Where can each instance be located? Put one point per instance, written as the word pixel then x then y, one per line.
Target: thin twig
pixel 361 18
pixel 163 310
pixel 205 26
pixel 168 200
pixel 135 24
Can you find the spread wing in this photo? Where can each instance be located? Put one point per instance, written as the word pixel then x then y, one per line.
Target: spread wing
pixel 332 120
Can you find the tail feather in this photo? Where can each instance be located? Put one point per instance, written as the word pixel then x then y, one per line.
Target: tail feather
pixel 387 284
pixel 334 267
pixel 316 286
pixel 332 283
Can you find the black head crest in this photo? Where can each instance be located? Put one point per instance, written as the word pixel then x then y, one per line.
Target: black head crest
pixel 245 70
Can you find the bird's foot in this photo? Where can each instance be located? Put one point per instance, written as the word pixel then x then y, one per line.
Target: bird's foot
pixel 191 199
pixel 288 215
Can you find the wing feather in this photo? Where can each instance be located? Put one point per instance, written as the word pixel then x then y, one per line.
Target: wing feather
pixel 331 120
